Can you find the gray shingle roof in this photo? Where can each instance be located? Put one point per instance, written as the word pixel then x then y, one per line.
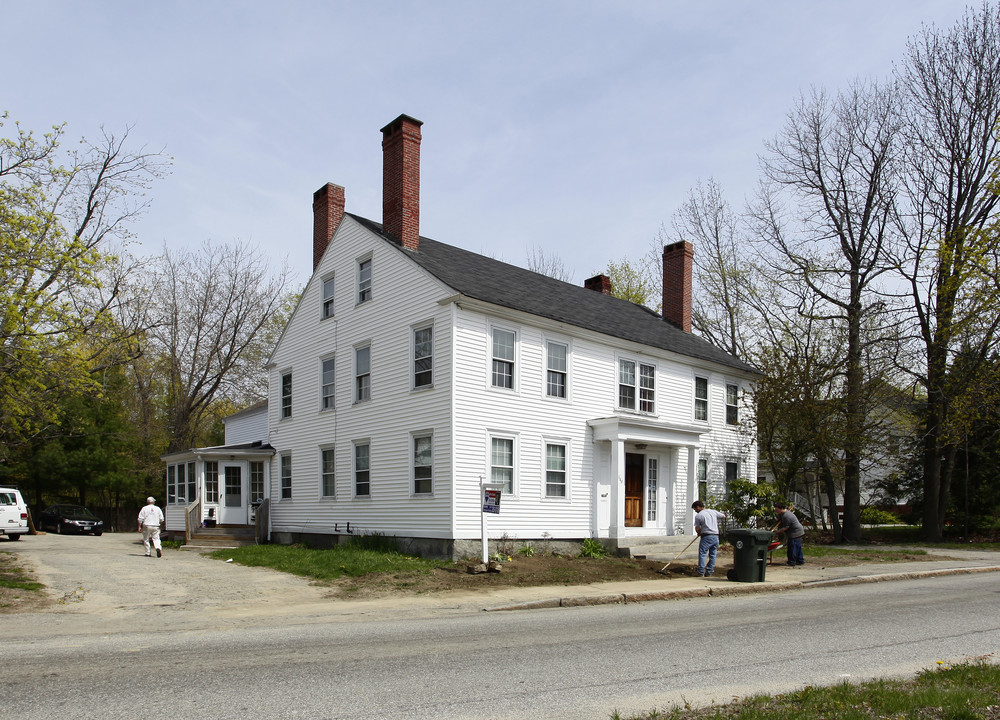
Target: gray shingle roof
pixel 498 283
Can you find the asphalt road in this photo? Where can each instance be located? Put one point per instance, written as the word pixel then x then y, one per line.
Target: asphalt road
pixel 255 644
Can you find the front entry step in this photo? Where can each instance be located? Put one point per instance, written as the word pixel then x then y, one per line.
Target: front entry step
pixel 654 548
pixel 220 538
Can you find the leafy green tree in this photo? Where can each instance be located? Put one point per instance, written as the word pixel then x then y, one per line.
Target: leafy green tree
pixel 633 282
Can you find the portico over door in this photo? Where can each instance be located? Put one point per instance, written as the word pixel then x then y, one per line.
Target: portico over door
pixel 233 508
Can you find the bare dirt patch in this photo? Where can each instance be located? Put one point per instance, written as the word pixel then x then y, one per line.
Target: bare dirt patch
pixel 546 569
pixel 18 599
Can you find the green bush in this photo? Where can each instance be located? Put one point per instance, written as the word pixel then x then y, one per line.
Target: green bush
pixel 875 516
pixel 592 548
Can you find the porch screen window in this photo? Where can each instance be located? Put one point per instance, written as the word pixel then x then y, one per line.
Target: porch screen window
pixel 555 470
pixel 234 486
pixel 503 359
pixel 732 405
pixel 362 374
pixel 256 481
pixel 286 395
pixel 364 280
pixel 423 465
pixel 701 399
pixel 211 482
pixel 328 298
pixel 328 461
pixel 171 485
pixel 651 471
pixel 502 463
pixel 555 381
pixel 329 375
pixel 423 358
pixel 286 477
pixel 631 384
pixel 362 471
pixel 192 491
pixel 181 486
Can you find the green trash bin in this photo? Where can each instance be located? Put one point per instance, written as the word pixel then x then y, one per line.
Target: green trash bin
pixel 749 553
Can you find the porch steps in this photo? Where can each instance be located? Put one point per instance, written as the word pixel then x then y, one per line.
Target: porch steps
pixel 220 538
pixel 655 548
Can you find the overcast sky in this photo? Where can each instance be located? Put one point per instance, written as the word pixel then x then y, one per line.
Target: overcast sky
pixel 575 128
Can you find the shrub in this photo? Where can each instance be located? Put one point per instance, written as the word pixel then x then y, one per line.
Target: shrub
pixel 875 516
pixel 592 548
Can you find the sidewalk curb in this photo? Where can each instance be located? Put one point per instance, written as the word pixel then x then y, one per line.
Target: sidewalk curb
pixel 732 589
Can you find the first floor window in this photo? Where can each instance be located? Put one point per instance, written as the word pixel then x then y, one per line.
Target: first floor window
pixel 423 456
pixel 171 484
pixel 732 404
pixel 555 470
pixel 181 497
pixel 701 399
pixel 502 463
pixel 212 482
pixel 732 471
pixel 362 470
pixel 256 481
pixel 192 491
pixel 286 477
pixel 327 461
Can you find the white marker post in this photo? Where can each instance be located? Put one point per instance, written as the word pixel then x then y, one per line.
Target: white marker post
pixel 490 493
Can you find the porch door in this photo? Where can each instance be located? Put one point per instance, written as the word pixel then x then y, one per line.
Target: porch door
pixel 233 508
pixel 634 484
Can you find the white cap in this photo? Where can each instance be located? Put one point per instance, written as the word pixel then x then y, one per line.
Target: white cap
pixel 151 499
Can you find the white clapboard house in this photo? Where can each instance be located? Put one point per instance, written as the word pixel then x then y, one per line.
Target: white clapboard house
pixel 412 371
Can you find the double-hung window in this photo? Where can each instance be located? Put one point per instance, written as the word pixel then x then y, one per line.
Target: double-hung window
pixel 732 471
pixel 286 477
pixel 362 374
pixel 502 462
pixel 423 464
pixel 328 384
pixel 364 280
pixel 327 463
pixel 362 470
pixel 423 357
pixel 503 359
pixel 286 395
pixel 636 385
pixel 555 470
pixel 556 370
pixel 732 404
pixel 701 399
pixel 327 298
pixel 703 479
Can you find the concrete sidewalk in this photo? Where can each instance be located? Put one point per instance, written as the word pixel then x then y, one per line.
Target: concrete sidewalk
pixel 777 578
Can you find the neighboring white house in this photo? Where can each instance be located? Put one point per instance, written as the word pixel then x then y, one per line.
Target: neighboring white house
pixel 411 371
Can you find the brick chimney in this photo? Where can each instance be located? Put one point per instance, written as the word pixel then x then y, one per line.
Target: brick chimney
pixel 678 263
pixel 328 209
pixel 600 283
pixel 401 180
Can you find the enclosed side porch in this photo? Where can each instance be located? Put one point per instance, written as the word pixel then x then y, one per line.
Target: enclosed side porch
pixel 220 486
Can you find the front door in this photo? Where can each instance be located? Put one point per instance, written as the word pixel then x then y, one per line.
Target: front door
pixel 233 508
pixel 633 489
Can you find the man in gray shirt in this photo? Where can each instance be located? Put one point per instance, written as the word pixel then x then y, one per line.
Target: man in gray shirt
pixel 790 524
pixel 706 525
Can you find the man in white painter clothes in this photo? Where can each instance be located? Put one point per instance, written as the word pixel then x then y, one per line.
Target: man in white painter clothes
pixel 150 518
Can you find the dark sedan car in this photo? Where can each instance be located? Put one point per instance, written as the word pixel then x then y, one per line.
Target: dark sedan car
pixel 70 519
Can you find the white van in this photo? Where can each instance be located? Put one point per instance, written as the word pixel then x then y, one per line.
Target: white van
pixel 13 513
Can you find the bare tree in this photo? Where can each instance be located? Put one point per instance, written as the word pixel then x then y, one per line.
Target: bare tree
pixel 218 315
pixel 951 82
pixel 550 265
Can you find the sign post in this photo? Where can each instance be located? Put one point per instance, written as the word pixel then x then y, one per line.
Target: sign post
pixel 490 495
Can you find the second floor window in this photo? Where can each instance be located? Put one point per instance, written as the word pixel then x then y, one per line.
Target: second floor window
pixel 327 298
pixel 286 395
pixel 701 398
pixel 555 361
pixel 732 404
pixel 364 280
pixel 327 393
pixel 423 357
pixel 503 359
pixel 636 382
pixel 362 374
